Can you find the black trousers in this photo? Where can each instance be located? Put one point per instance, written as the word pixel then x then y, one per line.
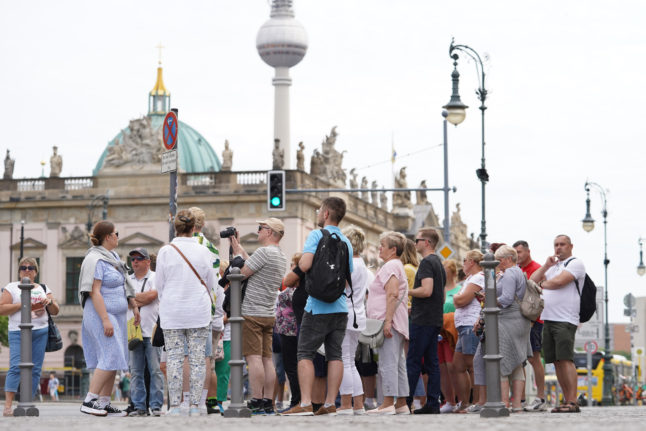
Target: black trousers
pixel 289 348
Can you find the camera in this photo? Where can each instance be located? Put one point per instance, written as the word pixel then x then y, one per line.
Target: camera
pixel 228 232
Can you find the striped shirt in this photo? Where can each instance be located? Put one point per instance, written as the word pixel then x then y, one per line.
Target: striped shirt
pixel 268 265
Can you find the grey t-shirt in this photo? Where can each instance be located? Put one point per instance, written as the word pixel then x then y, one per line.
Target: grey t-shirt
pixel 268 265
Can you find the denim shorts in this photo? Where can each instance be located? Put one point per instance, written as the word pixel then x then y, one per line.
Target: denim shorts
pixel 317 329
pixel 467 340
pixel 536 337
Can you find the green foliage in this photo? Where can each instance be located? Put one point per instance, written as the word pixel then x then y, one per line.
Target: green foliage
pixel 4 328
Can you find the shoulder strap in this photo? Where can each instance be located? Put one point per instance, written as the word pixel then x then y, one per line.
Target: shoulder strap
pixel 576 282
pixel 194 272
pixel 144 285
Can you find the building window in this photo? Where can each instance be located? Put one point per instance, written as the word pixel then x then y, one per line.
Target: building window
pixel 72 272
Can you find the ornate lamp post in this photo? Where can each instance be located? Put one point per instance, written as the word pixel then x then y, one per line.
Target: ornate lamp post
pixel 588 226
pixel 457 113
pixel 641 268
pixel 93 204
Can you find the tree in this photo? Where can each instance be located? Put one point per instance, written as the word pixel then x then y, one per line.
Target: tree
pixel 4 328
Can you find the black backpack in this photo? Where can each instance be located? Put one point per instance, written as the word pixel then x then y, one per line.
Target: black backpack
pixel 330 269
pixel 588 297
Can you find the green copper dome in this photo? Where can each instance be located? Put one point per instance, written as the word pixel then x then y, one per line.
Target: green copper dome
pixel 195 153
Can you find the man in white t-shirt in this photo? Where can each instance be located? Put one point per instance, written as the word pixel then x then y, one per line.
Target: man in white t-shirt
pixel 145 355
pixel 561 315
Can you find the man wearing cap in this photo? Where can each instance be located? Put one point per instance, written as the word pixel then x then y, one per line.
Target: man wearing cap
pixel 145 355
pixel 265 270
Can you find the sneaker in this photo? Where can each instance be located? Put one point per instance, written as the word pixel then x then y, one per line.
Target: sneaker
pixel 390 410
pixel 268 406
pixel 427 410
pixel 157 412
pixel 175 411
pixel 139 413
pixel 447 408
pixel 113 411
pixel 194 411
pixel 359 412
pixel 403 410
pixel 345 412
pixel 474 408
pixel 129 409
pixel 297 410
pixel 458 407
pixel 212 410
pixel 330 411
pixel 538 405
pixel 256 406
pixel 92 408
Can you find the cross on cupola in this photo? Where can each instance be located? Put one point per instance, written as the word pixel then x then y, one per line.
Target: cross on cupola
pixel 159 97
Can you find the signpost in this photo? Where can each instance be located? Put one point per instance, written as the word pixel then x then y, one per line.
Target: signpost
pixel 591 348
pixel 170 164
pixel 446 251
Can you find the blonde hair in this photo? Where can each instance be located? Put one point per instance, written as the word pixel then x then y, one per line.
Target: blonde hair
pixel 506 251
pixel 357 238
pixel 394 239
pixel 200 217
pixel 451 267
pixel 224 264
pixel 475 255
pixel 29 260
pixel 409 256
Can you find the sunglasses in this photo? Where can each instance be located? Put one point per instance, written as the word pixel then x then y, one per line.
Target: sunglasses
pixel 137 258
pixel 116 233
pixel 420 239
pixel 261 227
pixel 27 268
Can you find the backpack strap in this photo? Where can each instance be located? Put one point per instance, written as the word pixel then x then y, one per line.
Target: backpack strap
pixel 576 282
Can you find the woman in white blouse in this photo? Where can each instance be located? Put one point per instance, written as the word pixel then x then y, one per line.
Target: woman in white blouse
pixel 185 309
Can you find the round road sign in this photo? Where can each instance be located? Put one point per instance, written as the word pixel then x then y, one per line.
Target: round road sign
pixel 591 347
pixel 170 130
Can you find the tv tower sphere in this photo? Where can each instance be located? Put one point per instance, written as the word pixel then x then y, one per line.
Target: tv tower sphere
pixel 282 40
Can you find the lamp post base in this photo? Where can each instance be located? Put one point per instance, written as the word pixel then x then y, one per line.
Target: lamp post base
pixel 494 410
pixel 26 410
pixel 237 411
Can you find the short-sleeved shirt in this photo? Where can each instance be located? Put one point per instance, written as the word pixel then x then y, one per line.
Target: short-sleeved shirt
pixel 468 315
pixel 148 312
pixel 429 311
pixel 563 305
pixel 38 293
pixel 449 307
pixel 268 265
pixel 376 304
pixel 316 306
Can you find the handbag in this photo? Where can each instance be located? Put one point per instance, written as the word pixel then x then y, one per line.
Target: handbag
pixel 208 291
pixel 373 336
pixel 157 339
pixel 135 337
pixel 54 339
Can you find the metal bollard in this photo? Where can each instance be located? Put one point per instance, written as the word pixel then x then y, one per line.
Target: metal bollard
pixel 494 406
pixel 237 408
pixel 25 406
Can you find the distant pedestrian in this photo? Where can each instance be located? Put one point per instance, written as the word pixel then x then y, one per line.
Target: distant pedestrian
pixel 10 305
pixel 559 277
pixel 52 386
pixel 106 292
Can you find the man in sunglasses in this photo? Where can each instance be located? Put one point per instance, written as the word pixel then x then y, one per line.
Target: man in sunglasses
pixel 265 269
pixel 144 359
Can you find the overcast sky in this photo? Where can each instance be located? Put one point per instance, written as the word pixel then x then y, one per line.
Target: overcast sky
pixel 566 83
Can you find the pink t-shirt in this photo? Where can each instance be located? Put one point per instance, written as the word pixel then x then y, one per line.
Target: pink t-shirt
pixel 376 305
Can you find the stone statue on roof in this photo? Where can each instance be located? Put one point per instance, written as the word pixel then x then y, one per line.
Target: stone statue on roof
pixel 402 199
pixel 8 167
pixel 383 200
pixel 421 195
pixel 139 145
pixel 353 181
pixel 365 195
pixel 331 169
pixel 55 164
pixel 278 155
pixel 227 157
pixel 374 194
pixel 300 157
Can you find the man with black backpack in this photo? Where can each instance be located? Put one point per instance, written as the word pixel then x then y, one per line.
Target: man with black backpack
pixel 326 263
pixel 560 278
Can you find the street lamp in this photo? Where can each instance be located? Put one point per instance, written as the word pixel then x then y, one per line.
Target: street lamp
pixel 457 113
pixel 641 268
pixel 588 226
pixel 90 210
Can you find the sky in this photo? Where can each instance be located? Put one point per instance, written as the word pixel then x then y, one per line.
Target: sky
pixel 565 104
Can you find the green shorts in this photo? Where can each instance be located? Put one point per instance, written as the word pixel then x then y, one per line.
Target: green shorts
pixel 558 341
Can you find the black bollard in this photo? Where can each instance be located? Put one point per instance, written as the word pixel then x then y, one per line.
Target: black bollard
pixel 494 406
pixel 26 407
pixel 237 408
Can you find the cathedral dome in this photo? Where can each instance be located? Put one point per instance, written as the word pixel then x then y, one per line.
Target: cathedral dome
pixel 139 145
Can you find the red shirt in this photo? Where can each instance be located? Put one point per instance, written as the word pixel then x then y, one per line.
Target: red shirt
pixel 529 270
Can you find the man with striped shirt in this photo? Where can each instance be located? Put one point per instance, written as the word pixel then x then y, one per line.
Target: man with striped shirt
pixel 265 270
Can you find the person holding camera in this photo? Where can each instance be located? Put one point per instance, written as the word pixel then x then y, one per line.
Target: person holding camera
pixel 265 270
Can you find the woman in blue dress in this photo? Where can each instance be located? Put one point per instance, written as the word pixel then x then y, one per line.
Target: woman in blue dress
pixel 106 293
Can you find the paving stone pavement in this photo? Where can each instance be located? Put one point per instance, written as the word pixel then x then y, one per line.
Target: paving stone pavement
pixel 67 417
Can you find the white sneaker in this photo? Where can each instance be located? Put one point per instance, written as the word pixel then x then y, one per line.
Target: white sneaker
pixel 474 408
pixel 447 408
pixel 538 405
pixel 457 406
pixel 357 412
pixel 345 412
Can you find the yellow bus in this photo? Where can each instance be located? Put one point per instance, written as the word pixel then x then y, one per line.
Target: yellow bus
pixel 621 367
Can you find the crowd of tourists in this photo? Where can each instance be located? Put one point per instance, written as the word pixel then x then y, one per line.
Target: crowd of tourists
pixel 407 337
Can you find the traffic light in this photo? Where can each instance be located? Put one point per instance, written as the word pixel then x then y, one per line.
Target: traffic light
pixel 276 190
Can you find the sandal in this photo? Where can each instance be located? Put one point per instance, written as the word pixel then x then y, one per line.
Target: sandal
pixel 7 412
pixel 567 408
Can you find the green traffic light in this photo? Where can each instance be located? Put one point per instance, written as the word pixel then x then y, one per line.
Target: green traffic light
pixel 275 201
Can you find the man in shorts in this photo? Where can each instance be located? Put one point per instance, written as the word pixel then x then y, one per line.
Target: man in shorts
pixel 528 266
pixel 323 322
pixel 265 270
pixel 558 277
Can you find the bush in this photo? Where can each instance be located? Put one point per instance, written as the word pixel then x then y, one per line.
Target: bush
pixel 4 328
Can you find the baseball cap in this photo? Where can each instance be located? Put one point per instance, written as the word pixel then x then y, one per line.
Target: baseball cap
pixel 275 224
pixel 140 250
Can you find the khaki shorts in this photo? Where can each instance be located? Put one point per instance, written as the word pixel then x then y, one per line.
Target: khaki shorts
pixel 558 341
pixel 257 335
